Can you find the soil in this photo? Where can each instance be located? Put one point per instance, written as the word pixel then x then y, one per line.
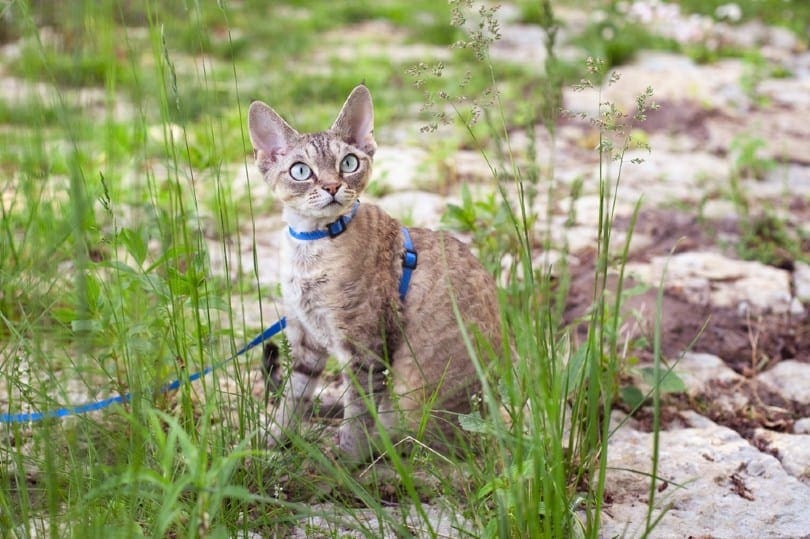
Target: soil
pixel 747 344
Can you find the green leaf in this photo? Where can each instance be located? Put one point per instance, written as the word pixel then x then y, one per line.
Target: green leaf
pixel 631 396
pixel 669 382
pixel 473 422
pixel 90 326
pixel 135 244
pixel 238 492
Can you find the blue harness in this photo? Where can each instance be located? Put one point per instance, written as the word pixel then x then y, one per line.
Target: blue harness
pixel 409 258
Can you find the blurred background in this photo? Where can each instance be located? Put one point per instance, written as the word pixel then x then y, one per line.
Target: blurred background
pixel 138 242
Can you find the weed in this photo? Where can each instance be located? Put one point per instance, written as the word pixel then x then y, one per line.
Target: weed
pixel 747 161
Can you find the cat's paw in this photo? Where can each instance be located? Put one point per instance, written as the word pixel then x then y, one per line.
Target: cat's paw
pixel 352 444
pixel 271 367
pixel 278 424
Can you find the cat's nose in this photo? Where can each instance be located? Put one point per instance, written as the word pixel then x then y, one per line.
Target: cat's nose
pixel 331 188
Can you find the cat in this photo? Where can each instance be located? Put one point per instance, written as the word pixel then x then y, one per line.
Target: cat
pixel 343 269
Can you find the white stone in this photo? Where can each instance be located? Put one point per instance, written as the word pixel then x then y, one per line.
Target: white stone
pixel 399 168
pixel 329 520
pixel 415 208
pixel 236 254
pixel 698 371
pixel 730 489
pixel 247 181
pixel 676 78
pixel 725 281
pixel 676 178
pixel 796 308
pixel 521 44
pixel 801 281
pixel 785 137
pixel 790 379
pixel 376 38
pixel 719 208
pixel 470 166
pixel 793 451
pixel 802 426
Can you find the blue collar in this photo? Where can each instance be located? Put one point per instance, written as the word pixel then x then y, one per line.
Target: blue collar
pixel 409 257
pixel 332 229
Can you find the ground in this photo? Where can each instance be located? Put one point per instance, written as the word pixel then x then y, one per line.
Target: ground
pixel 722 235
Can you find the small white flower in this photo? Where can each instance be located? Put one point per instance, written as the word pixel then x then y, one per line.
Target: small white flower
pixel 731 11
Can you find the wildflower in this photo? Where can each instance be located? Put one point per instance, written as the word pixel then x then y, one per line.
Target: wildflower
pixel 730 11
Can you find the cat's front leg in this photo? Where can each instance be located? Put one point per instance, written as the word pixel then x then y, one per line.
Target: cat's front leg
pixel 308 362
pixel 358 432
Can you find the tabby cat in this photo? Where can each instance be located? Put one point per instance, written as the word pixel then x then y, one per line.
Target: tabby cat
pixel 358 286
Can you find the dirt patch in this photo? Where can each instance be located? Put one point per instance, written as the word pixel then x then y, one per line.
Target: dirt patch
pixel 758 408
pixel 681 117
pixel 747 343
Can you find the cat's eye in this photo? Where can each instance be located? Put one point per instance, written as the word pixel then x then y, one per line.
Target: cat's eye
pixel 349 164
pixel 300 171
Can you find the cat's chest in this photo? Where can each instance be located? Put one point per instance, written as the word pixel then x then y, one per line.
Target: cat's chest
pixel 307 269
pixel 311 287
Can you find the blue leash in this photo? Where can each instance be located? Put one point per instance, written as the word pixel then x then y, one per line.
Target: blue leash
pixel 409 260
pixel 31 417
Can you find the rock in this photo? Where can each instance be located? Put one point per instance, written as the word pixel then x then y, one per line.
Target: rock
pixel 398 169
pixel 785 138
pixel 521 44
pixel 586 207
pixel 674 78
pixel 329 520
pixel 802 426
pixel 247 181
pixel 801 281
pixel 719 209
pixel 711 278
pixel 793 178
pixel 389 43
pixel 717 485
pixel 676 178
pixel 790 93
pixel 265 235
pixel 415 208
pixel 796 309
pixel 699 371
pixel 470 166
pixel 793 450
pixel 790 379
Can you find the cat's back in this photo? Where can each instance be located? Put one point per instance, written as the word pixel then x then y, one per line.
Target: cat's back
pixel 447 273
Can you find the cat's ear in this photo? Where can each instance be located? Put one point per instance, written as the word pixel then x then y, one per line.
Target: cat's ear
pixel 269 133
pixel 355 123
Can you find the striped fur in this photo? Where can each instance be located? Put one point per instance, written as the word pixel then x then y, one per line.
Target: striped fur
pixel 341 294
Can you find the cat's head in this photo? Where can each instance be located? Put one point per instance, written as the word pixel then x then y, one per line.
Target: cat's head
pixel 316 176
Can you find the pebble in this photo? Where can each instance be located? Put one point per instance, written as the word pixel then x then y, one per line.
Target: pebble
pixel 801 281
pixel 790 379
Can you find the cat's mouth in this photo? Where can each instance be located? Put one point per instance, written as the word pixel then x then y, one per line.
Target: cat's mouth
pixel 335 203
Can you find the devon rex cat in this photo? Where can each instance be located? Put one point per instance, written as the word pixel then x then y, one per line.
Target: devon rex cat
pixel 362 288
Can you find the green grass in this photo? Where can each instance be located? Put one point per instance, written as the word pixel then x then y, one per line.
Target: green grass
pixel 113 209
